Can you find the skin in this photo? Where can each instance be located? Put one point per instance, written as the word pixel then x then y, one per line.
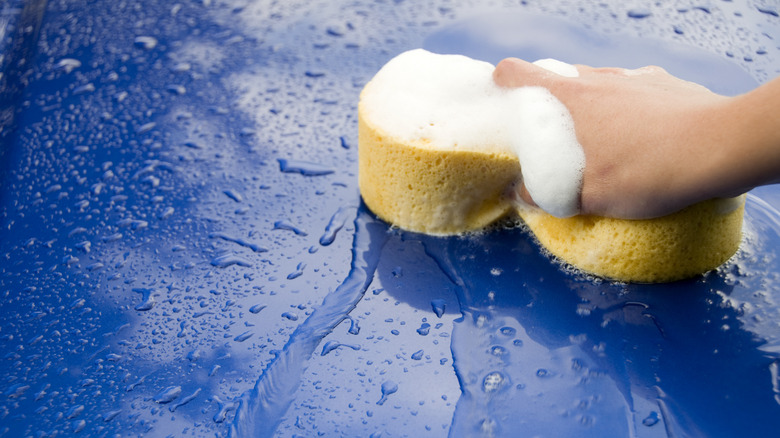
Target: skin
pixel 654 143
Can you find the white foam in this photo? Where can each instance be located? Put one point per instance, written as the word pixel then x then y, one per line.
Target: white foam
pixel 451 102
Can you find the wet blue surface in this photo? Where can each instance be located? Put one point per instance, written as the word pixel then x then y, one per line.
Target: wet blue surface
pixel 184 251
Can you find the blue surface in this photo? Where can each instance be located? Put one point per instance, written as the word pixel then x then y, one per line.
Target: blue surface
pixel 184 251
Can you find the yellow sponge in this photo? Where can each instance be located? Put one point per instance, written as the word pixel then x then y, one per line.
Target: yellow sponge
pixel 681 245
pixel 418 187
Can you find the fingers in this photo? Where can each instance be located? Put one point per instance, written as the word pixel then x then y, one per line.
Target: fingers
pixel 519 195
pixel 513 72
pixel 617 71
pixel 525 195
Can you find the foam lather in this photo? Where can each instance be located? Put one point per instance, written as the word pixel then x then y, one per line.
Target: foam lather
pixel 441 146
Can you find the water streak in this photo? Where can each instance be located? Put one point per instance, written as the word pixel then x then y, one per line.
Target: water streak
pixel 335 225
pixel 262 408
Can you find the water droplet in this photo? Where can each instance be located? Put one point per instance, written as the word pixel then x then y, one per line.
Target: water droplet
pixel 78 425
pixel 224 408
pixel 639 14
pixel 111 237
pixel 332 345
pixel 182 67
pixel 292 316
pixel 417 355
pixel 243 336
pixel 234 195
pixel 147 298
pixel 68 64
pixel 16 390
pixel 298 271
pixel 167 395
pixel 166 213
pixel 226 260
pixel 284 225
pixel 110 415
pixel 354 328
pixel 768 11
pixel 186 400
pixel 133 385
pixel 84 246
pixel 146 127
pixel 84 89
pixel 651 420
pixel 74 411
pixel 176 89
pixel 146 42
pixel 304 168
pixel 493 382
pixel 254 247
pixel 257 308
pixel 388 387
pixel 498 350
pixel 94 266
pixel 424 329
pixel 335 224
pixel 508 331
pixel 438 307
pixel 334 32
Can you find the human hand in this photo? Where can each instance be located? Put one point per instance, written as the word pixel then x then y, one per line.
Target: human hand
pixel 647 136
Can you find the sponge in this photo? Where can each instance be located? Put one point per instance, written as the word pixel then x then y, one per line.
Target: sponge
pixel 438 154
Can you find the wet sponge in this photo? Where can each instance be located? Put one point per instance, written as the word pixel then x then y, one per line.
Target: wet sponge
pixel 425 188
pixel 681 245
pixel 438 179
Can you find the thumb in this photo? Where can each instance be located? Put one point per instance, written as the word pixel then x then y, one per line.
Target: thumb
pixel 520 195
pixel 525 195
pixel 514 72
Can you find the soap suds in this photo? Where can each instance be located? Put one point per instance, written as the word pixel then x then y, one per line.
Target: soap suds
pixel 451 102
pixel 541 133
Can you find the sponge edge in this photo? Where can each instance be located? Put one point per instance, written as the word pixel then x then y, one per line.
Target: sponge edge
pixel 432 191
pixel 681 245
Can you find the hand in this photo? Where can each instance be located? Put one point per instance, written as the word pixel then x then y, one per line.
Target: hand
pixel 650 139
